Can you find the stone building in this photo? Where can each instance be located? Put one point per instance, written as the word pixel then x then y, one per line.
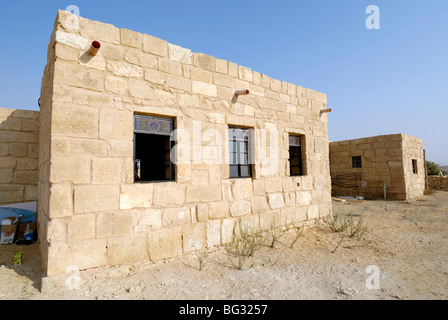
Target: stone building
pixel 148 150
pixel 375 167
pixel 19 136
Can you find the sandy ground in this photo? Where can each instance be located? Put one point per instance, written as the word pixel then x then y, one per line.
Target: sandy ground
pixel 408 244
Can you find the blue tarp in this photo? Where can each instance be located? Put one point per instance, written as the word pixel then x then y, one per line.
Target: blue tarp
pixel 27 215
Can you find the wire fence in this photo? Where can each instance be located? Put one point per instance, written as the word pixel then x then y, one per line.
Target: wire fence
pixel 353 184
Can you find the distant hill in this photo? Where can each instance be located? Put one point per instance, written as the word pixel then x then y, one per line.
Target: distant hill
pixel 444 168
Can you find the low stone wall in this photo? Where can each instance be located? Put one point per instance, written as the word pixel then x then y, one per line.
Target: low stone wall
pixel 438 183
pixel 19 151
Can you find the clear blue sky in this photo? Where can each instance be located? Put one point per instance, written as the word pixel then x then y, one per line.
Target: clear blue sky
pixel 392 80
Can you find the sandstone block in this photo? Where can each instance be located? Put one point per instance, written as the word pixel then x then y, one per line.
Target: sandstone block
pixel 223 80
pixel 194 237
pixel 204 61
pixel 155 76
pixel 202 212
pixel 165 243
pixel 276 200
pixel 59 257
pixel 3 149
pixel 141 89
pixel 204 89
pixel 178 82
pixel 259 187
pixel 97 198
pixel 71 40
pixel 67 52
pixel 6 175
pixel 259 204
pixel 221 66
pixel 31 193
pixel 100 31
pixel 78 76
pixel 18 149
pixel 149 61
pixel 313 212
pixel 242 188
pixel 116 125
pixel 226 189
pixel 87 147
pixel 75 121
pixel 131 38
pixel 10 193
pixel 147 219
pixel 201 75
pixel 91 98
pixel 303 198
pixel 203 193
pixel 276 85
pixel 9 162
pixel 213 233
pixel 169 66
pixel 227 230
pixel 168 193
pixel 271 219
pixel 245 73
pixel 217 210
pixel 155 45
pixel 61 201
pixel 106 171
pixel 56 231
pixel 80 228
pixel 176 216
pixel 122 223
pixel 240 208
pixel 70 169
pixel 177 53
pixel 124 69
pixel 136 196
pixel 274 185
pixel 127 249
pixel 84 255
pixel 24 177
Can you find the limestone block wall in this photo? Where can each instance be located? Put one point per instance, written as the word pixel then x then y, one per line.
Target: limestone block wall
pixel 95 215
pixel 385 159
pixel 19 147
pixel 413 150
pixel 438 183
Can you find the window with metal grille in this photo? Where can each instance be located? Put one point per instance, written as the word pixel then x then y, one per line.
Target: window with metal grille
pixel 414 166
pixel 295 155
pixel 356 162
pixel 152 148
pixel 240 165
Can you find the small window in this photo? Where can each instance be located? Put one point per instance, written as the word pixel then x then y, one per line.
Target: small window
pixel 356 162
pixel 414 166
pixel 240 153
pixel 295 156
pixel 152 148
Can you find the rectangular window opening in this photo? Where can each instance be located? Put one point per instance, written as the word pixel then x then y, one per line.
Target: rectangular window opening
pixel 356 162
pixel 152 149
pixel 296 167
pixel 240 153
pixel 414 166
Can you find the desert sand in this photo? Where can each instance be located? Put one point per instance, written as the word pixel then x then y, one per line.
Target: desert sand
pixel 408 245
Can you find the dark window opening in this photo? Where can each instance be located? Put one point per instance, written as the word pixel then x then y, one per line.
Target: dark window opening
pixel 414 166
pixel 152 148
pixel 356 162
pixel 240 153
pixel 295 156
